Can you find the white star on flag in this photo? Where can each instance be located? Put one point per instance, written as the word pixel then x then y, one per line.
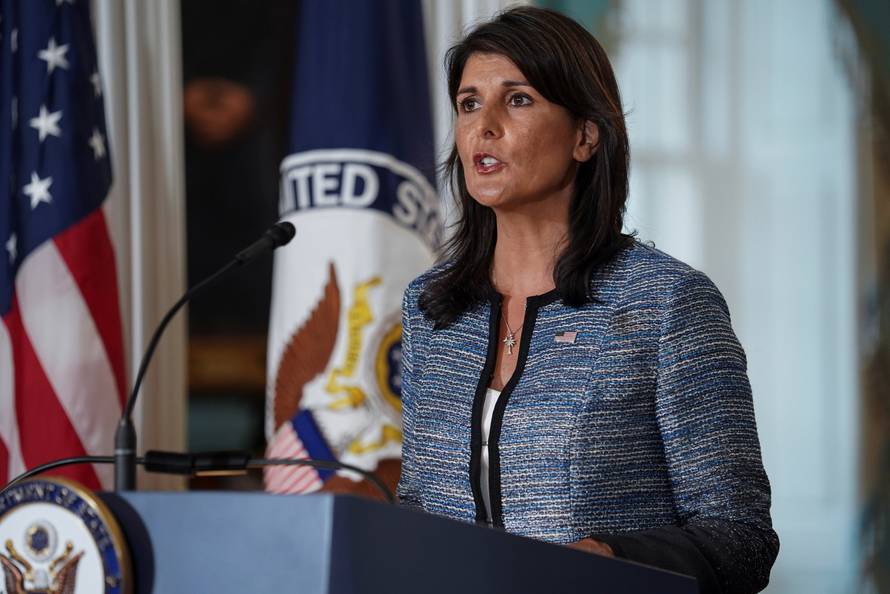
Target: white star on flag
pixel 97 84
pixel 47 124
pixel 97 143
pixel 14 40
pixel 54 55
pixel 11 247
pixel 38 190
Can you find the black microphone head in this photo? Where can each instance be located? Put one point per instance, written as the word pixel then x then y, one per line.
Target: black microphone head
pixel 281 233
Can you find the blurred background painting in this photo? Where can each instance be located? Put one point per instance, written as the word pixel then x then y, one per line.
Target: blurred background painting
pixel 760 143
pixel 237 60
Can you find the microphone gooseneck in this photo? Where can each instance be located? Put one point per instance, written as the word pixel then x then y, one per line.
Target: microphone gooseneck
pixel 125 436
pixel 192 464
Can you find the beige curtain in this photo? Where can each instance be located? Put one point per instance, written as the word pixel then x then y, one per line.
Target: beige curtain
pixel 138 48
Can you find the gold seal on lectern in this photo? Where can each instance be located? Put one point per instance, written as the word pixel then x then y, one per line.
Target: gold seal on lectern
pixel 57 537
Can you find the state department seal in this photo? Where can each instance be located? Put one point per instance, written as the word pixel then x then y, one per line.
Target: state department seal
pixel 57 537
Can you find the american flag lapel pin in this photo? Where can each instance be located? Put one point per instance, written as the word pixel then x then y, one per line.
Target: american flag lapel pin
pixel 566 337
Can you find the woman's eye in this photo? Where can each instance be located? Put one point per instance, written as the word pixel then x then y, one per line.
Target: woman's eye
pixel 520 99
pixel 468 104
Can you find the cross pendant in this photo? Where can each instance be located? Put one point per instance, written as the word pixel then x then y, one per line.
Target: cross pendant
pixel 510 342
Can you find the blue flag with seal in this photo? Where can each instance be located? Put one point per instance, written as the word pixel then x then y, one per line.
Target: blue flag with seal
pixel 358 185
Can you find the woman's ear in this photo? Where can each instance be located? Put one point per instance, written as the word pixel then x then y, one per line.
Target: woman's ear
pixel 588 141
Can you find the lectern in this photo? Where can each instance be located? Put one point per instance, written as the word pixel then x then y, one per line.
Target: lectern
pixel 223 543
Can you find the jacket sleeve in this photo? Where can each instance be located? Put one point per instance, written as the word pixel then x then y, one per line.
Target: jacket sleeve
pixel 705 413
pixel 407 489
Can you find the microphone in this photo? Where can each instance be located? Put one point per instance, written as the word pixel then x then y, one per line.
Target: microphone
pixel 203 463
pixel 278 235
pixel 125 436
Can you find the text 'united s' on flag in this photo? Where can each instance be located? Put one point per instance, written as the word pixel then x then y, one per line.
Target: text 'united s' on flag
pixel 358 184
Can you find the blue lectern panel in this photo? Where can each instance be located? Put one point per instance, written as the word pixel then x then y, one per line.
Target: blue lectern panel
pixel 226 542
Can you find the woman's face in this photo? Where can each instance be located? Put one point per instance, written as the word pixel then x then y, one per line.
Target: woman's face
pixel 515 146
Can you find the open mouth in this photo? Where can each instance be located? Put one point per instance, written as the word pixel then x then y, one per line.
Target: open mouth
pixel 486 163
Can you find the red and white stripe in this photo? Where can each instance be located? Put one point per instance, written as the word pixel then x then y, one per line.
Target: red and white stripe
pixel 62 379
pixel 289 479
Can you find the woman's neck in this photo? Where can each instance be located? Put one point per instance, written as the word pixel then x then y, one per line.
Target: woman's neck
pixel 528 246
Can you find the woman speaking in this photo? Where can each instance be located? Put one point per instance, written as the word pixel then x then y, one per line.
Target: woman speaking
pixel 561 380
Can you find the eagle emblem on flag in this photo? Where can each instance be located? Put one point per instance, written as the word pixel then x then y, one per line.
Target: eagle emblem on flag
pixel 334 408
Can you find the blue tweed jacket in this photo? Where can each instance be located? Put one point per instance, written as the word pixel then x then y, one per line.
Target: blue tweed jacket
pixel 640 433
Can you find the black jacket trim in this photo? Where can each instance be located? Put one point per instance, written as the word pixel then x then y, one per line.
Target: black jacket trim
pixel 494 463
pixel 494 323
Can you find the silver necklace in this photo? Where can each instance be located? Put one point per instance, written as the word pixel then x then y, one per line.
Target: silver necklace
pixel 510 339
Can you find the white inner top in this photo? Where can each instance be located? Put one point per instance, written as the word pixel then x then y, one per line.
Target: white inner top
pixel 491 398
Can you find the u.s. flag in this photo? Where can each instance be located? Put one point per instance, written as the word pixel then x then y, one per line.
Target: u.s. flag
pixel 61 351
pixel 358 186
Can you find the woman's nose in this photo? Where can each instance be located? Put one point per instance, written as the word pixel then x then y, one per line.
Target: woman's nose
pixel 490 122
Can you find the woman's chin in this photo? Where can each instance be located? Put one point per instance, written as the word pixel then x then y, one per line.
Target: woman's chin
pixel 491 201
pixel 507 202
pixel 490 197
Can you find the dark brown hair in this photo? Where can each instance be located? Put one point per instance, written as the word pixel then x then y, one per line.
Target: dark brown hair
pixel 564 63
